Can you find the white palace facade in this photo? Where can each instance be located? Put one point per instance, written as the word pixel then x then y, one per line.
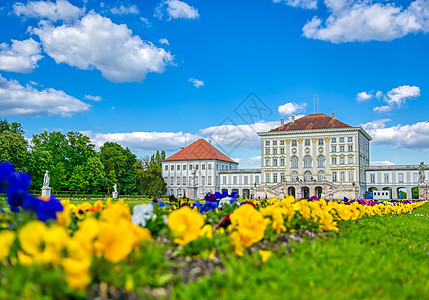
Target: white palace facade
pixel 316 155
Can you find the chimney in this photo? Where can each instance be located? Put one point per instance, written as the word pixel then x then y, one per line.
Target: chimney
pixel 181 148
pixel 333 116
pixel 282 122
pixel 292 119
pixel 210 142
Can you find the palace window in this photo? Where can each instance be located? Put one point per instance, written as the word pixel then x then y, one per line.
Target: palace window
pixel 282 177
pixel 307 162
pixel 257 179
pixel 203 180
pixel 235 180
pixel 341 148
pixel 401 177
pixel 334 148
pixel 184 167
pixel 282 142
pixel 267 151
pixel 342 176
pixel 166 168
pixel 320 176
pixel 307 176
pixel 224 179
pixel 274 162
pixel 320 142
pixel 267 177
pixel 416 177
pixel 282 162
pixel 267 162
pixel 172 180
pixel 342 160
pixel 209 180
pixel 275 177
pixel 350 160
pixel 275 151
pixel 294 143
pixel 294 162
pixel 197 167
pixel 190 180
pixel 350 148
pixel 321 161
pixel 203 166
pixel 334 176
pixel 341 140
pixel 246 179
pixel 351 176
pixel 209 166
pixel 294 176
pixel 282 150
pixel 386 178
pixel 184 180
pixel 172 167
pixel 178 167
pixel 274 143
pixel 349 139
pixel 334 140
pixel 307 142
pixel 334 160
pixel 372 178
pixel 267 143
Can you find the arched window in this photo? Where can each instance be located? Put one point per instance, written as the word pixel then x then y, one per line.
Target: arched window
pixel 294 176
pixel 294 162
pixel 307 162
pixel 307 176
pixel 320 176
pixel 321 161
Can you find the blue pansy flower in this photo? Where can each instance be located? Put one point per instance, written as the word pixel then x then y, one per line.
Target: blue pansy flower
pixel 45 210
pixel 17 191
pixel 7 171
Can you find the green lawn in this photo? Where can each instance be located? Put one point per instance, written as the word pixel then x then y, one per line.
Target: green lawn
pixel 375 258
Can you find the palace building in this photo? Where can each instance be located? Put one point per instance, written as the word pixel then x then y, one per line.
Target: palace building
pixel 316 155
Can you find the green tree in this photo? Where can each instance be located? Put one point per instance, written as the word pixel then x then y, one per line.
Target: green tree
pixel 13 145
pixel 94 174
pixel 77 181
pixel 115 158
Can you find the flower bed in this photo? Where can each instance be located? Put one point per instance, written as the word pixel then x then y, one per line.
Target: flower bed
pixel 59 249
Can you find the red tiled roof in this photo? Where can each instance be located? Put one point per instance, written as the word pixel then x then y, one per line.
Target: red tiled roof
pixel 313 121
pixel 199 150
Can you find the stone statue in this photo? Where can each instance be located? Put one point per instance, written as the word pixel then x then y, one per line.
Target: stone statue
pixel 422 178
pixel 46 180
pixel 115 188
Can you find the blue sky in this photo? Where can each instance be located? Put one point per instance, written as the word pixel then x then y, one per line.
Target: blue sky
pixel 160 74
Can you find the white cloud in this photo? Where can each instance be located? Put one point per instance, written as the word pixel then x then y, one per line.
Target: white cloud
pixel 363 20
pixel 145 21
pixel 172 141
pixel 122 10
pixel 308 4
pixel 291 108
pixel 379 94
pixel 255 161
pixel 176 9
pixel 21 56
pixel 381 163
pixel 364 96
pixel 144 141
pixel 414 136
pixel 97 42
pixel 196 82
pixel 397 97
pixel 17 100
pixel 164 41
pixel 93 98
pixel 242 136
pixel 60 10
